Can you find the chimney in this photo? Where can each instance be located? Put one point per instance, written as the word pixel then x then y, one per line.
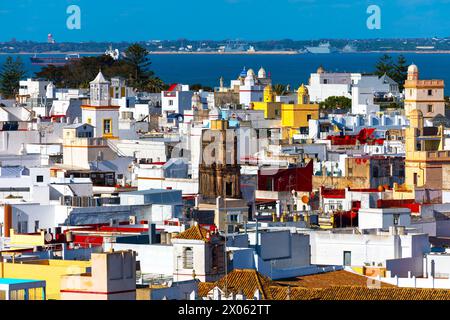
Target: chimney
pixel 7 219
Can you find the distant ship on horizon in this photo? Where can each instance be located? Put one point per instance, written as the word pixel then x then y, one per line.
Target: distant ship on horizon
pixel 349 48
pixel 323 47
pixel 236 46
pixel 55 60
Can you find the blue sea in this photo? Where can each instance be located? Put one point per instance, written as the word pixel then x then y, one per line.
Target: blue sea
pixel 286 69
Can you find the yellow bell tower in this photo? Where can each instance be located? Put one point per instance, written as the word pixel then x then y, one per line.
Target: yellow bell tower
pixel 302 95
pixel 268 93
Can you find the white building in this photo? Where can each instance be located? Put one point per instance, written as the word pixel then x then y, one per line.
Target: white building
pixel 323 84
pixel 354 249
pixel 277 253
pixel 377 218
pixel 100 113
pixel 80 148
pixel 165 204
pixel 32 89
pixel 15 113
pixel 29 217
pixel 198 253
pixel 151 176
pixel 362 101
pixel 176 99
pixel 24 184
pixel 250 90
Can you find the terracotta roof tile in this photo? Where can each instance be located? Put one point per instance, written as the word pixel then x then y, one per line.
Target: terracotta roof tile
pixel 338 285
pixel 194 233
pixel 240 280
pixel 331 279
pixel 358 293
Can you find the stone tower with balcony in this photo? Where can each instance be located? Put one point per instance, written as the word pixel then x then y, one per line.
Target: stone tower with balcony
pixel 424 95
pixel 219 171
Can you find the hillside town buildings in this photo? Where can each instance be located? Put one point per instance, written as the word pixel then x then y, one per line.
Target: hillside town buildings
pixel 239 193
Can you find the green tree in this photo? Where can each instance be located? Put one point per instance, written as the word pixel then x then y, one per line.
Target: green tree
pixel 397 71
pixel 400 71
pixel 336 103
pixel 11 73
pixel 137 56
pixel 78 73
pixel 195 86
pixel 198 86
pixel 385 65
pixel 155 85
pixel 52 73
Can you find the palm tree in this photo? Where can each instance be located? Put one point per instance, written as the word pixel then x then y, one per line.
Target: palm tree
pixel 280 89
pixel 155 85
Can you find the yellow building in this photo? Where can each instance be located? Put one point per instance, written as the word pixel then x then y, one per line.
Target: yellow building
pixel 50 271
pixel 294 117
pixel 425 157
pixel 424 95
pixel 272 109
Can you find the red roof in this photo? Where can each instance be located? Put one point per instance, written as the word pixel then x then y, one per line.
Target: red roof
pixel 333 193
pixel 363 190
pixel 172 87
pixel 406 203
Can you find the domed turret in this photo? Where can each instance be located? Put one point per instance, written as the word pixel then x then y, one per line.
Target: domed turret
pixel 320 70
pixel 413 72
pixel 250 78
pixel 268 93
pixel 262 73
pixel 250 73
pixel 302 95
pixel 243 73
pixel 302 89
pixel 99 91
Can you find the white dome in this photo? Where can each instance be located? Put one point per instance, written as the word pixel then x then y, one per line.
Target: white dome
pixel 250 73
pixel 262 73
pixel 413 69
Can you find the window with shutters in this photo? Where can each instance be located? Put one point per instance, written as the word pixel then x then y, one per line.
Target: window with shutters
pixel 107 126
pixel 188 258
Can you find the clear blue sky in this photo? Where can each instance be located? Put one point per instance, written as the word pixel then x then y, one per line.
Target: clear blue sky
pixel 131 20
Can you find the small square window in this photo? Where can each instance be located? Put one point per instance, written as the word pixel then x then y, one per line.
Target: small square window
pixel 430 108
pixel 107 126
pixel 39 178
pixel 430 92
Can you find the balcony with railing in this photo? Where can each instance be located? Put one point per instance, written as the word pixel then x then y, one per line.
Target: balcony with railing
pixel 86 142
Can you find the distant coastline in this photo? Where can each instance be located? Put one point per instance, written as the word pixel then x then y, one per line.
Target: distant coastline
pixel 229 53
pixel 225 53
